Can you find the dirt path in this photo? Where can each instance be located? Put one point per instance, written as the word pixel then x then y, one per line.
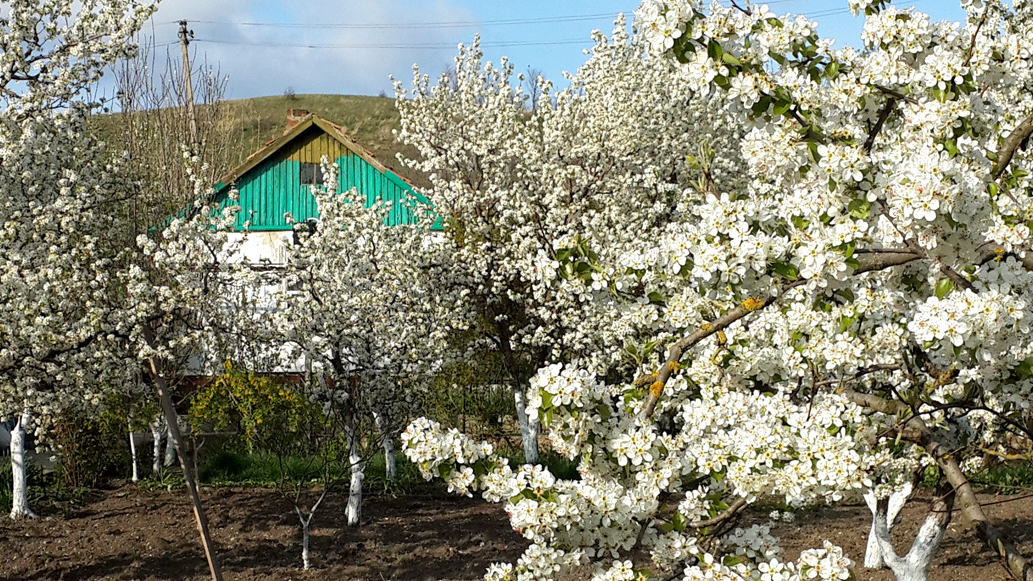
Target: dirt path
pixel 128 534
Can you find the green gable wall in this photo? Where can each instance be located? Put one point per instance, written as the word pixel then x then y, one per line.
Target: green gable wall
pixel 273 187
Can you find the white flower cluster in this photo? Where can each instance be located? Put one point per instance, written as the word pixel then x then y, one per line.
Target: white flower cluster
pixel 845 227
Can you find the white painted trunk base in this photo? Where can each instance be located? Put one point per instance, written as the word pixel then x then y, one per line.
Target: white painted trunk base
pixel 132 452
pixel 19 489
pixel 157 431
pixel 528 429
pixel 306 527
pixel 353 511
pixel 914 566
pixel 170 448
pixel 873 554
pixel 390 467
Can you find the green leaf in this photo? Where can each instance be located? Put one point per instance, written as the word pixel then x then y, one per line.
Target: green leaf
pixel 832 70
pixel 1024 370
pixel 944 287
pixel 714 50
pixel 546 400
pixel 800 222
pixel 860 208
pixel 786 270
pixel 812 148
pixel 781 107
pixel 678 521
pixel 846 322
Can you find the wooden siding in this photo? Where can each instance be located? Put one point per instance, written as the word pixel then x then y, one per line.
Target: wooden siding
pixel 312 145
pixel 273 187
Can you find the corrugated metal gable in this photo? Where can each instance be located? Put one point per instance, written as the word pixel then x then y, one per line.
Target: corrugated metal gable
pixel 269 189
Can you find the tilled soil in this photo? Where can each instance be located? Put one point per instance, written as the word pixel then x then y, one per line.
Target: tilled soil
pixel 129 534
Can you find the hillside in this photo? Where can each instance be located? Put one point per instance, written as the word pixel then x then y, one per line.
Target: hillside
pixel 253 122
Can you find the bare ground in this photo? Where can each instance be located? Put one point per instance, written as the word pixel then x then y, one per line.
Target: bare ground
pixel 130 534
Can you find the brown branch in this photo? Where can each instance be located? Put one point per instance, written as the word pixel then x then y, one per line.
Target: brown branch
pixel 1011 145
pixel 1018 566
pixel 884 114
pixel 726 514
pixel 972 45
pixel 896 94
pixel 883 260
pixel 706 330
pixel 861 373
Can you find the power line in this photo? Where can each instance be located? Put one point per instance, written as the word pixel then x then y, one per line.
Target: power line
pixel 417 25
pixel 406 46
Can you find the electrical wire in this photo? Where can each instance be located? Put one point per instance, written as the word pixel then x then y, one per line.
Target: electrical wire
pixel 404 25
pixel 392 46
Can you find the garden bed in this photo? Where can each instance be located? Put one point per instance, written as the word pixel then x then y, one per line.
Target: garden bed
pixel 134 534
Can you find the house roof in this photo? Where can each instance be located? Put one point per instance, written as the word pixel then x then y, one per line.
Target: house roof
pixel 333 130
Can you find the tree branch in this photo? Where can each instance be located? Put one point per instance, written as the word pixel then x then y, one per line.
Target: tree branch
pixel 1011 145
pixel 884 114
pixel 726 514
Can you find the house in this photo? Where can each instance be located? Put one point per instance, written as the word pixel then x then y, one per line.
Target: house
pixel 278 179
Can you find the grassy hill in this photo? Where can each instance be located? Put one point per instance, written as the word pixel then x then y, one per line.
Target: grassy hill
pixel 251 123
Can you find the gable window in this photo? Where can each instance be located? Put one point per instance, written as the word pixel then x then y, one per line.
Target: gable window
pixel 311 174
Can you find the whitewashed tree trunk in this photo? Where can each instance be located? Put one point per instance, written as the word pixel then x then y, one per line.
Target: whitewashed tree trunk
pixel 132 452
pixel 157 430
pixel 914 566
pixel 306 521
pixel 19 489
pixel 353 512
pixel 170 446
pixel 390 467
pixel 528 429
pixel 873 554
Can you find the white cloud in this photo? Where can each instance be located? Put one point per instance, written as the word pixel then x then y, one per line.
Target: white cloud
pixel 266 60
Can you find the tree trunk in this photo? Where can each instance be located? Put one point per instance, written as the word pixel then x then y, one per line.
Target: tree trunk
pixel 358 469
pixel 306 522
pixel 873 555
pixel 305 563
pixel 132 452
pixel 158 431
pixel 170 446
pixel 19 489
pixel 528 429
pixel 172 423
pixel 390 467
pixel 914 566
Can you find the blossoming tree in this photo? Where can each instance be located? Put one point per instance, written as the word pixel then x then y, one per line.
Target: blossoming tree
pixel 534 201
pixel 347 311
pixel 855 308
pixel 56 250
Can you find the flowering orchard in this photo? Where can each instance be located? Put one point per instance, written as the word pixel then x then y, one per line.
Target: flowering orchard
pixel 58 244
pixel 828 292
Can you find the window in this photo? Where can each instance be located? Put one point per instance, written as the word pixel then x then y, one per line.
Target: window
pixel 311 174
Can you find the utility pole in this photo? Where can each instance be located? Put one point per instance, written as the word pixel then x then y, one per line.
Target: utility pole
pixel 184 42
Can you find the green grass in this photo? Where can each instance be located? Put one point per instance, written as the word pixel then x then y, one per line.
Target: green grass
pixel 1007 478
pixel 231 468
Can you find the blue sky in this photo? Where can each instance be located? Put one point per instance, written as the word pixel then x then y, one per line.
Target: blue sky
pixel 353 46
